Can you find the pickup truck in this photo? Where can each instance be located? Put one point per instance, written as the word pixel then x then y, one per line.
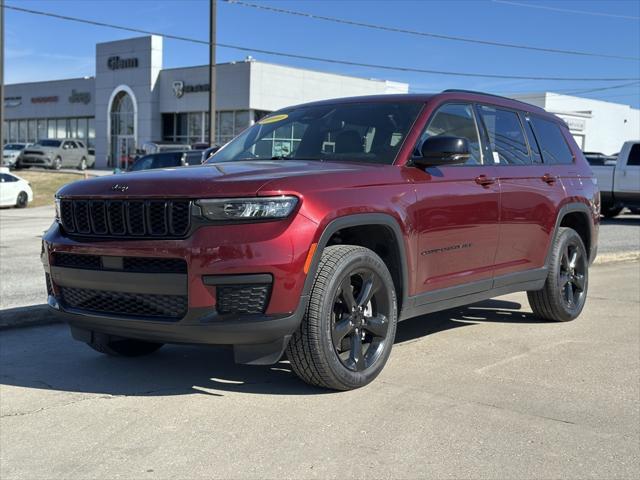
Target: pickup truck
pixel 619 180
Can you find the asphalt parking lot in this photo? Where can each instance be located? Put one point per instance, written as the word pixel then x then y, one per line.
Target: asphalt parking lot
pixel 481 392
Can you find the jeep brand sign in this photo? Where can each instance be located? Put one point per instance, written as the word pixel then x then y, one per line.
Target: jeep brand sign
pixel 117 63
pixel 179 88
pixel 79 97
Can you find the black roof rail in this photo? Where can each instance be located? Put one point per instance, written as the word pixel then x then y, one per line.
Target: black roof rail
pixel 475 92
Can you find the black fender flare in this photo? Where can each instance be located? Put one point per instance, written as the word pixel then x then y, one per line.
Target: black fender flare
pixel 573 207
pixel 362 219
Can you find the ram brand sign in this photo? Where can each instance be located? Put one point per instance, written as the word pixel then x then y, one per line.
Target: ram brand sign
pixel 180 88
pixel 79 97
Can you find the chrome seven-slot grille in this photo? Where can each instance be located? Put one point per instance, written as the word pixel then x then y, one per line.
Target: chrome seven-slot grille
pixel 126 218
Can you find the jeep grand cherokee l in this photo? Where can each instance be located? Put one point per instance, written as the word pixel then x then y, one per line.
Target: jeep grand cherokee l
pixel 320 227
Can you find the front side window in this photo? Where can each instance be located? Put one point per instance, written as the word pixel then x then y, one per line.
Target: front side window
pixel 454 120
pixel 505 136
pixel 554 147
pixel 634 155
pixel 370 132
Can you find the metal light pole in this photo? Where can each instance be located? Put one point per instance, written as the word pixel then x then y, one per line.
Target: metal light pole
pixel 212 71
pixel 2 132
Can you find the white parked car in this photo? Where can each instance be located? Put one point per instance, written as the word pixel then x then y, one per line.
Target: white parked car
pixel 14 191
pixel 11 152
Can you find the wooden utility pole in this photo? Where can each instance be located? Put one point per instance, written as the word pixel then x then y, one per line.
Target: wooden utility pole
pixel 212 71
pixel 2 132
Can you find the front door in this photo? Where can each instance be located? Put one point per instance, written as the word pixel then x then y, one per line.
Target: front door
pixel 457 210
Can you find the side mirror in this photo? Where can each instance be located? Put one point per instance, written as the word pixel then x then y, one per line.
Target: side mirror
pixel 443 151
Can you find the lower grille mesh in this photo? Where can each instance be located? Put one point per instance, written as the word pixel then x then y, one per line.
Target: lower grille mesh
pixel 242 298
pixel 121 303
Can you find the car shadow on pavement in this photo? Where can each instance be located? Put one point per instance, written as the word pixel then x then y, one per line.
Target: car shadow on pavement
pixel 47 358
pixel 621 220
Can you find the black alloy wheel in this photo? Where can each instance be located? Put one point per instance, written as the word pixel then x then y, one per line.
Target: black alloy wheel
pixel 572 275
pixel 360 321
pixel 22 200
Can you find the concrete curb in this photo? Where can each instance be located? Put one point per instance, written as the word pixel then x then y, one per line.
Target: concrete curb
pixel 632 256
pixel 32 315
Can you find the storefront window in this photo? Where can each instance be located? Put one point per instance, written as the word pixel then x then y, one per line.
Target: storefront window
pixel 92 133
pixel 22 131
pixel 195 127
pixel 42 129
pixel 61 128
pixel 51 129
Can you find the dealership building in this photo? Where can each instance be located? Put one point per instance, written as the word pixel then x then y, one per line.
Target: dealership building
pixel 132 100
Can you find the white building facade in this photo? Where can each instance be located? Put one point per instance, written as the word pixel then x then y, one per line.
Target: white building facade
pixel 132 100
pixel 596 125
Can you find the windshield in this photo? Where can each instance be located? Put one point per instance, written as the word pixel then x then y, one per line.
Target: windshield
pixel 158 160
pixel 14 146
pixel 361 132
pixel 49 143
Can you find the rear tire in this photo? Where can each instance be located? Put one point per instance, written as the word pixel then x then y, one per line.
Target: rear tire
pixel 83 164
pixel 610 211
pixel 122 347
pixel 22 200
pixel 565 290
pixel 348 330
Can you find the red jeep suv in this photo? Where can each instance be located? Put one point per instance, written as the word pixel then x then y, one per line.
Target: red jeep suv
pixel 321 226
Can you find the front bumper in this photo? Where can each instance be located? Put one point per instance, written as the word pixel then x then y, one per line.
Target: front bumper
pixel 35 160
pixel 216 257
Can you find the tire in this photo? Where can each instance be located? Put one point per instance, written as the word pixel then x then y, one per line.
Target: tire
pixel 22 200
pixel 610 211
pixel 122 347
pixel 565 290
pixel 57 164
pixel 83 164
pixel 346 335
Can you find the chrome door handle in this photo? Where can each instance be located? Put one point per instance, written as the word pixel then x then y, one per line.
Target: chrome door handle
pixel 550 179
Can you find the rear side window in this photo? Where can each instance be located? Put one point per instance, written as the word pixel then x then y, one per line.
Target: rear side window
pixel 505 136
pixel 454 120
pixel 634 155
pixel 554 147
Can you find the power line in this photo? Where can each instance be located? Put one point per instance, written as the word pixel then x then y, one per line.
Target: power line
pixel 424 34
pixel 323 59
pixel 567 10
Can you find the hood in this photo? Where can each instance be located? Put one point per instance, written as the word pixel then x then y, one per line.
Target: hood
pixel 40 149
pixel 232 179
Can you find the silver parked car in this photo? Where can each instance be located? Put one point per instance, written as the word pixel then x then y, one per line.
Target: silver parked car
pixel 56 154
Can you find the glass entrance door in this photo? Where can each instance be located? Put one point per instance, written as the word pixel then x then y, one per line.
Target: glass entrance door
pixel 125 150
pixel 122 135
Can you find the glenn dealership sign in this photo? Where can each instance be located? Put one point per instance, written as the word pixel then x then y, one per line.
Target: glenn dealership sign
pixel 117 63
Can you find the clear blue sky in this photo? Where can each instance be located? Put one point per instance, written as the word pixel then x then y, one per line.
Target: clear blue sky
pixel 39 48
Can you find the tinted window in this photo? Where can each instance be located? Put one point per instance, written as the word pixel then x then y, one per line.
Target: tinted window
pixel 14 146
pixel 158 160
pixel 49 143
pixel 370 132
pixel 554 147
pixel 505 136
pixel 634 155
pixel 5 177
pixel 454 120
pixel 194 157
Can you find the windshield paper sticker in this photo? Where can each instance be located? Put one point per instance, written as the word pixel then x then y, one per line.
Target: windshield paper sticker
pixel 273 119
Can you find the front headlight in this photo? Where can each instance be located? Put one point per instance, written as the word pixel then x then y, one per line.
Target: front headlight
pixel 255 208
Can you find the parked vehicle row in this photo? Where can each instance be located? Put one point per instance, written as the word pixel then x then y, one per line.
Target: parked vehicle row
pixel 385 208
pixel 56 154
pixel 11 152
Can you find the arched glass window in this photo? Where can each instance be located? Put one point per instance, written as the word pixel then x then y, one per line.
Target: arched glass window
pixel 122 115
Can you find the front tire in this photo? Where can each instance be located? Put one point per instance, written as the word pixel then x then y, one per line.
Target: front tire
pixel 22 200
pixel 57 163
pixel 565 290
pixel 122 347
pixel 348 330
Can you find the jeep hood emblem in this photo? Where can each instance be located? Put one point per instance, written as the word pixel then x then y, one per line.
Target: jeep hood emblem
pixel 120 187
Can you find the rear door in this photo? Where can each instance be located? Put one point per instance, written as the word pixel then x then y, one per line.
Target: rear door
pixel 457 210
pixel 531 191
